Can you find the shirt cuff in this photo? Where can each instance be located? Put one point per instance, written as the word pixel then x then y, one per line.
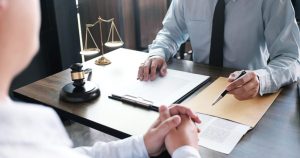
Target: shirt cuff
pixel 187 152
pixel 157 52
pixel 264 81
pixel 141 143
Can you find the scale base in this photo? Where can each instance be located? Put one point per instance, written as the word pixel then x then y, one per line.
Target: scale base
pixel 102 61
pixel 70 93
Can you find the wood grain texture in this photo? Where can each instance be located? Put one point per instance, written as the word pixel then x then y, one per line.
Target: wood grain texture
pixel 277 134
pixel 121 10
pixel 150 15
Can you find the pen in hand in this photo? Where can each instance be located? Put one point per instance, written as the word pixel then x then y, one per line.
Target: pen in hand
pixel 225 91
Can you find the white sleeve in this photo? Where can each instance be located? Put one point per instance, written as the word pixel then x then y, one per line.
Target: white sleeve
pixel 186 152
pixel 133 147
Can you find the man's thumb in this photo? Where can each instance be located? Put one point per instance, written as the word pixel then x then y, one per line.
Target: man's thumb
pixel 231 77
pixel 170 123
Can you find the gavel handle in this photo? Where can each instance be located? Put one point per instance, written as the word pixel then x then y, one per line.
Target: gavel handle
pixel 89 72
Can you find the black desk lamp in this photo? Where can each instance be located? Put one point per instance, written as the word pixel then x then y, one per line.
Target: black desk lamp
pixel 79 90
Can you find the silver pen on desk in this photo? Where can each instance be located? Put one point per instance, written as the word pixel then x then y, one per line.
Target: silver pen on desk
pixel 225 91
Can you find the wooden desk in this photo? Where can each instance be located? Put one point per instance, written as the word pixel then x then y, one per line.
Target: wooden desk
pixel 276 135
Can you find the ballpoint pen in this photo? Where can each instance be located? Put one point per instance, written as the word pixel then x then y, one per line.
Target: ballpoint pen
pixel 139 102
pixel 225 91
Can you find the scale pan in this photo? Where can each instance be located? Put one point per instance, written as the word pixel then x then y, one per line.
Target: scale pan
pixel 90 51
pixel 114 44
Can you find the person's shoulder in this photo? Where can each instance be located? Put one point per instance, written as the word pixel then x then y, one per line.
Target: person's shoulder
pixel 35 117
pixel 36 110
pixel 33 107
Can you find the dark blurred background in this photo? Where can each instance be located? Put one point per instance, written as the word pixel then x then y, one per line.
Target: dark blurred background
pixel 296 4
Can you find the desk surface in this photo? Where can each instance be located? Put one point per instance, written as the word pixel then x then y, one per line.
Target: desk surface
pixel 276 135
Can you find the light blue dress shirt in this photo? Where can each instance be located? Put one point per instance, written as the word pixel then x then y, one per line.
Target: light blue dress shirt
pixel 255 31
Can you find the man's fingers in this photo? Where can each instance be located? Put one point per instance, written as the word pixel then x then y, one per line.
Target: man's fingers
pixel 146 70
pixel 141 72
pixel 240 82
pixel 167 125
pixel 242 90
pixel 153 69
pixel 181 110
pixel 155 124
pixel 245 87
pixel 163 69
pixel 233 76
pixel 164 113
pixel 251 94
pixel 185 118
pixel 187 123
pixel 247 91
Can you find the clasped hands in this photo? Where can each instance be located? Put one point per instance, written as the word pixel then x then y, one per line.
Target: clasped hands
pixel 246 87
pixel 175 127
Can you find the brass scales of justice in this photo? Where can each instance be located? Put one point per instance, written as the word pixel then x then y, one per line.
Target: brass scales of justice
pixel 111 42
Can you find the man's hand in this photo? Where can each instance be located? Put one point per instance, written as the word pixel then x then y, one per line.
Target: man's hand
pixel 168 119
pixel 177 109
pixel 185 134
pixel 148 69
pixel 246 87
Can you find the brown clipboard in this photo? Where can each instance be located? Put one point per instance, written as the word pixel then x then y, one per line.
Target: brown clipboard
pixel 247 112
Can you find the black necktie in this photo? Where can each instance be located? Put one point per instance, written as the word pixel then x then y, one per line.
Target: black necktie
pixel 217 35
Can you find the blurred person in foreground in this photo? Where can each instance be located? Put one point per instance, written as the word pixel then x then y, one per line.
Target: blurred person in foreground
pixel 29 131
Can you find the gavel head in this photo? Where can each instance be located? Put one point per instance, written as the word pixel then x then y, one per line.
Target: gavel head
pixel 77 75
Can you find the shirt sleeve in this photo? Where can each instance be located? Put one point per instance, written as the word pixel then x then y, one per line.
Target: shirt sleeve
pixel 186 152
pixel 283 41
pixel 126 148
pixel 173 33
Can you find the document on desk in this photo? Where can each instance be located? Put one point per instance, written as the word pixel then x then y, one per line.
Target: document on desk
pixel 172 88
pixel 219 134
pixel 247 112
pixel 224 124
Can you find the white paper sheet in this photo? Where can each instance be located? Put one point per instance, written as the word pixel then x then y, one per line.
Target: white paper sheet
pixel 164 90
pixel 120 78
pixel 219 134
